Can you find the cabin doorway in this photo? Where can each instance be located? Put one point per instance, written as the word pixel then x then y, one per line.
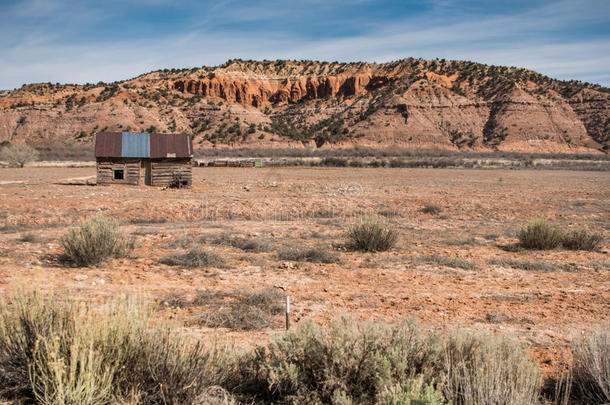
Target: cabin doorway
pixel 145 172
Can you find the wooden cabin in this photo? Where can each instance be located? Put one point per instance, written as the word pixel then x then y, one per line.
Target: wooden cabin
pixel 152 159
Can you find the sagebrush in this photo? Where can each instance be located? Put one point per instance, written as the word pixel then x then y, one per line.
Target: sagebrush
pixel 371 234
pixel 94 240
pixel 59 353
pixel 540 234
pixel 592 367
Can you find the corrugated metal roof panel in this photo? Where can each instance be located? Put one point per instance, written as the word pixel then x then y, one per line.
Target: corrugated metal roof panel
pixel 158 145
pixel 108 144
pixel 170 145
pixel 136 145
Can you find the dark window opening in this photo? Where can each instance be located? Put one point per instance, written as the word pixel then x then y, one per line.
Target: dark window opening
pixel 119 174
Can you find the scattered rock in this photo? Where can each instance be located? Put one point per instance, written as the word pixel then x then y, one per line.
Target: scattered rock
pixel 287 265
pixel 81 277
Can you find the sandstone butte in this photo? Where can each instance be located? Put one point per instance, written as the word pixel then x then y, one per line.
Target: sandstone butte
pixel 408 104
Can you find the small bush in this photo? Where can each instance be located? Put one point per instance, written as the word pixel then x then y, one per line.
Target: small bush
pixel 195 257
pixel 592 367
pixel 431 209
pixel 93 241
pixel 582 240
pixel 313 255
pixel 541 235
pixel 371 234
pixel 486 369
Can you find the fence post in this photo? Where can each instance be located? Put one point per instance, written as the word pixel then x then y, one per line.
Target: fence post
pixel 287 312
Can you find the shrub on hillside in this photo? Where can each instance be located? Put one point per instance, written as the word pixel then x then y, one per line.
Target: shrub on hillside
pixel 540 234
pixel 371 234
pixel 93 241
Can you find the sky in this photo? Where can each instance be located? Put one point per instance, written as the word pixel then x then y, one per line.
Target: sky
pixel 80 41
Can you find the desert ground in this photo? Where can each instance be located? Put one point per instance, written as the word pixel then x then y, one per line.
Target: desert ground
pixel 458 268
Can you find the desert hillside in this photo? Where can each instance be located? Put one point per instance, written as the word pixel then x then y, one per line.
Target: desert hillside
pixel 410 104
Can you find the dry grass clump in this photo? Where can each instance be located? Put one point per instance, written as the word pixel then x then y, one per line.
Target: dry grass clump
pixel 454 262
pixel 252 310
pixel 58 353
pixel 592 367
pixel 371 234
pixel 582 239
pixel 195 257
pixel 538 265
pixel 245 244
pixel 431 209
pixel 93 241
pixel 540 234
pixel 316 254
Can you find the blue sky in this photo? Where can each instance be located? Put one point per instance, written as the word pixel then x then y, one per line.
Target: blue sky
pixel 81 41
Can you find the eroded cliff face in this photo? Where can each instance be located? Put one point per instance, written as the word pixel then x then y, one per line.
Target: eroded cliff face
pixel 257 92
pixel 408 104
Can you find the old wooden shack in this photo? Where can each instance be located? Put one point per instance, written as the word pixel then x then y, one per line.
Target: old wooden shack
pixel 135 158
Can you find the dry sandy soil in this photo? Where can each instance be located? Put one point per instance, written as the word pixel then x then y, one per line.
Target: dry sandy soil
pixel 559 295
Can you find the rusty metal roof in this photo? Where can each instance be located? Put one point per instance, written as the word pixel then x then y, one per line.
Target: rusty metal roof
pixel 143 145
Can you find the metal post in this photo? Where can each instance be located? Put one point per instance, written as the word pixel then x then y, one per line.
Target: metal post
pixel 287 312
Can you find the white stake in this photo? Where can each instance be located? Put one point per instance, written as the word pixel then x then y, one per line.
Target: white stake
pixel 287 312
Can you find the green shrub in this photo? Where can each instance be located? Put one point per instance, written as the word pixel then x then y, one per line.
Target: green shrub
pixel 93 241
pixel 195 257
pixel 313 255
pixel 371 234
pixel 56 353
pixel 487 369
pixel 582 239
pixel 592 367
pixel 540 234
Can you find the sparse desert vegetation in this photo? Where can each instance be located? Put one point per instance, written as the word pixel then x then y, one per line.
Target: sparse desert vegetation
pixel 499 322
